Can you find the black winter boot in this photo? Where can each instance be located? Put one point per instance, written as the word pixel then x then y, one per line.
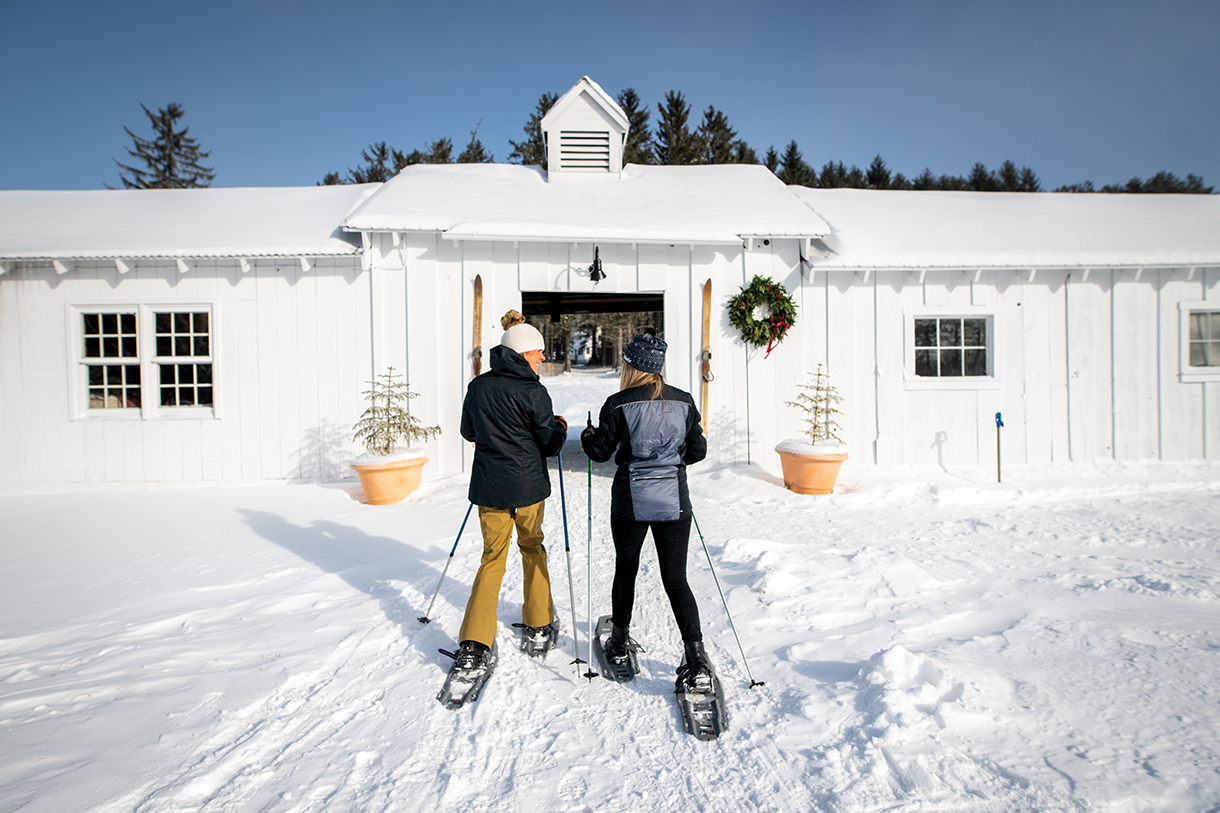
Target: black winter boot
pixel 616 645
pixel 696 672
pixel 471 655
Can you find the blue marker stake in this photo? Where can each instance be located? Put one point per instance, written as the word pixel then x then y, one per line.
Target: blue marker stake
pixel 998 423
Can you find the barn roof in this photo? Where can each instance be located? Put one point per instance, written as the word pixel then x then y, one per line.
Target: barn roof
pixel 705 205
pixel 228 222
pixel 891 229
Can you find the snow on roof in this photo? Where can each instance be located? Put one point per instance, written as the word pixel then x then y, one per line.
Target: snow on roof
pixel 890 229
pixel 229 222
pixel 648 204
pixel 586 85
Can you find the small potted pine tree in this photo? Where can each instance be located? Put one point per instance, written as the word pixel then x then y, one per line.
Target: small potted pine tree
pixel 387 473
pixel 811 464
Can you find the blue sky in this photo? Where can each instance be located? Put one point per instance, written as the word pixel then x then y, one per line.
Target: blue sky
pixel 282 93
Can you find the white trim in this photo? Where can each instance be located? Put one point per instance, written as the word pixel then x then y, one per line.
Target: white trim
pixel 910 381
pixel 1186 373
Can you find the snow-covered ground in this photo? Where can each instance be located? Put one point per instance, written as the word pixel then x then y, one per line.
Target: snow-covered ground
pixel 929 639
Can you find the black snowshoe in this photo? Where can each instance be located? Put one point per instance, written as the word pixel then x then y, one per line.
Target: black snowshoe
pixel 537 641
pixel 619 658
pixel 699 695
pixel 473 664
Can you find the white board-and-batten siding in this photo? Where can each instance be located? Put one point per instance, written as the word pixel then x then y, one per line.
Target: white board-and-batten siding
pixel 1086 363
pixel 290 350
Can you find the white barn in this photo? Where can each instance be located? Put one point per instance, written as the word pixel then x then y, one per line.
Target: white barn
pixel 157 338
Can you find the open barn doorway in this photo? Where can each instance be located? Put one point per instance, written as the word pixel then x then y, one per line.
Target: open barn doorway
pixel 590 329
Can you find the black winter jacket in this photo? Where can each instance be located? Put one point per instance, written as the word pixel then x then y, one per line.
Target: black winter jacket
pixel 507 413
pixel 655 441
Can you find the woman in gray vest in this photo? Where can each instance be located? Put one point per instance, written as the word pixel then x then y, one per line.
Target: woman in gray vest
pixel 655 429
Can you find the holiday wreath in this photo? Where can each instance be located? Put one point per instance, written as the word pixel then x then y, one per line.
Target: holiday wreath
pixel 771 330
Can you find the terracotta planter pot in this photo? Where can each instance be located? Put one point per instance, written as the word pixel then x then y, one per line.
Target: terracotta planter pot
pixel 810 473
pixel 388 483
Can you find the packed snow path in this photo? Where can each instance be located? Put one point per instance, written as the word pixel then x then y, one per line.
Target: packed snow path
pixel 930 640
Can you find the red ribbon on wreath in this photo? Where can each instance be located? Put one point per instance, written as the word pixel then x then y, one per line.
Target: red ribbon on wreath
pixel 776 323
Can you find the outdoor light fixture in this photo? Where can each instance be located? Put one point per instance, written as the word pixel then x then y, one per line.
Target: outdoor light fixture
pixel 595 271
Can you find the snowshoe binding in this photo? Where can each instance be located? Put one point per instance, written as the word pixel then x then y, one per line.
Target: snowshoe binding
pixel 699 695
pixel 537 641
pixel 473 664
pixel 617 654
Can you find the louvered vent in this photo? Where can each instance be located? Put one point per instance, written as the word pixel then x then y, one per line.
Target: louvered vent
pixel 584 150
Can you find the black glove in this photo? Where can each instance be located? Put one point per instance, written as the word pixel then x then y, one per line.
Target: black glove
pixel 562 423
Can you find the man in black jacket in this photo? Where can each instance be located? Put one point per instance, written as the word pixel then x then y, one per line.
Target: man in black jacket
pixel 508 415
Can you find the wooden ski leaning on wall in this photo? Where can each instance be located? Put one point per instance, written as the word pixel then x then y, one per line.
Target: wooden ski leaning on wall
pixel 477 354
pixel 706 355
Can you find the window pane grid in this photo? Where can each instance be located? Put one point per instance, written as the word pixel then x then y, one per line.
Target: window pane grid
pixel 182 336
pixel 951 347
pixel 114 386
pixel 109 335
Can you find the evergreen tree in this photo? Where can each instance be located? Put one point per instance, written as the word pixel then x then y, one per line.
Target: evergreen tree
pixel 531 149
pixel 675 143
pixel 171 160
pixel 1009 177
pixel 1163 183
pixel 900 182
pixel 1085 187
pixel 856 178
pixel 796 172
pixel 378 160
pixel 638 149
pixel 771 160
pixel 716 138
pixel 832 176
pixel 878 175
pixel 743 153
pixel 474 152
pixel 330 179
pixel 925 180
pixel 1028 181
pixel 982 179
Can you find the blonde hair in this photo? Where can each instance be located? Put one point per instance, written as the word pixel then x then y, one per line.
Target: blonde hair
pixel 510 319
pixel 630 377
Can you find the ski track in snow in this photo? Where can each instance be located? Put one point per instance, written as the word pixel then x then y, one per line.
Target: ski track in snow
pixel 927 644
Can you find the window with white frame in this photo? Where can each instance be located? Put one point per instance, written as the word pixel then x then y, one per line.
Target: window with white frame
pixel 184 356
pixel 950 346
pixel 145 361
pixel 949 349
pixel 111 355
pixel 1200 341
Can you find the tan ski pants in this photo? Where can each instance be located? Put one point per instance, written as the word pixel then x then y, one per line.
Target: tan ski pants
pixel 539 609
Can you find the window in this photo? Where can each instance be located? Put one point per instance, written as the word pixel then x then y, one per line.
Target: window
pixel 184 356
pixel 112 360
pixel 1200 341
pixel 143 361
pixel 946 349
pixel 1205 339
pixel 950 347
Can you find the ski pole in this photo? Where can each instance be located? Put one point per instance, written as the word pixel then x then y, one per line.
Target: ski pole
pixel 424 619
pixel 590 674
pixel 732 626
pixel 567 554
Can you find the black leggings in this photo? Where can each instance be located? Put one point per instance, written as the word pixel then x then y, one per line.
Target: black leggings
pixel 671 539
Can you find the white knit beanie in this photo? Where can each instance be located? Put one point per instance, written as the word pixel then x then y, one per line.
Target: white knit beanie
pixel 523 338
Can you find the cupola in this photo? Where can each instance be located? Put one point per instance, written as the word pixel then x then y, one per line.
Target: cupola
pixel 584 132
